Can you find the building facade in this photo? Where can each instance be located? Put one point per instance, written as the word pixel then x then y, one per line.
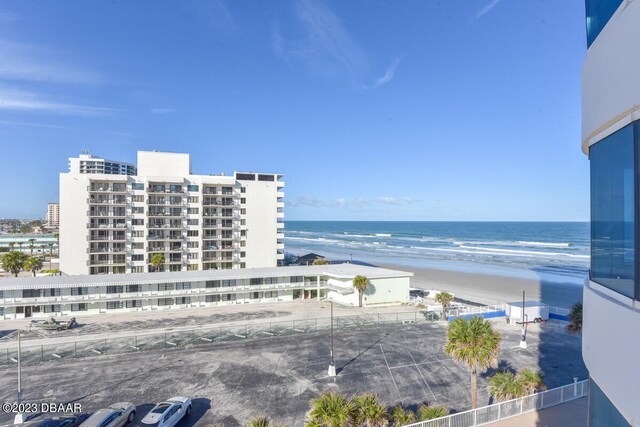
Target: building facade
pixel 22 298
pixel 611 139
pixel 53 215
pixel 117 223
pixel 88 164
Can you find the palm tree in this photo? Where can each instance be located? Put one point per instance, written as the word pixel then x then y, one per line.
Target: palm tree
pixel 33 264
pixel 431 412
pixel 474 343
pixel 320 261
pixel 57 236
pixel 575 319
pixel 444 298
pixel 32 245
pixel 50 254
pixel 361 283
pixel 532 381
pixel 260 422
pixel 13 262
pixel 505 386
pixel 157 260
pixel 369 412
pixel 11 245
pixel 330 410
pixel 400 417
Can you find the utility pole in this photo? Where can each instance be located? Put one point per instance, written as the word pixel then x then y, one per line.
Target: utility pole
pixel 332 366
pixel 523 340
pixel 19 373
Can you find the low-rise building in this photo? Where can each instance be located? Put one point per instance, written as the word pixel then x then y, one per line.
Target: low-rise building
pixel 26 297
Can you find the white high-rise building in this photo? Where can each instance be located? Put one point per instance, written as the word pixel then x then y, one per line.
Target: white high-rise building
pixel 116 223
pixel 53 215
pixel 611 139
pixel 86 163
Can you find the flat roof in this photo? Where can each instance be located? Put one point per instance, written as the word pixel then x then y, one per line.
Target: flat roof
pixel 338 271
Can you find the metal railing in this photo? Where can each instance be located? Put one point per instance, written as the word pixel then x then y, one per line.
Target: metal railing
pixel 207 335
pixel 510 408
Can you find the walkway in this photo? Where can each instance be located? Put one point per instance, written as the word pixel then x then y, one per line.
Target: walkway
pixel 569 414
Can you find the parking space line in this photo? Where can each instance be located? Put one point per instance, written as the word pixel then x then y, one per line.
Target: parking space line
pixel 390 373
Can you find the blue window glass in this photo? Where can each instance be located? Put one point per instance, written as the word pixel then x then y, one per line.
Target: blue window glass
pixel 613 211
pixel 598 14
pixel 137 186
pixel 192 188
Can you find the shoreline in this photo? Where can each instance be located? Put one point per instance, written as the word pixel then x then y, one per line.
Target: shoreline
pixel 487 288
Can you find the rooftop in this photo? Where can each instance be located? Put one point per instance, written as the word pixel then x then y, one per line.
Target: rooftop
pixel 338 271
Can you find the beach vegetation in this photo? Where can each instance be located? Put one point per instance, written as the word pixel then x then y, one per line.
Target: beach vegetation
pixel 445 299
pixel 320 261
pixel 33 264
pixel 157 260
pixel 575 319
pixel 261 422
pixel 401 417
pixel 360 283
pixel 330 410
pixel 431 412
pixel 475 344
pixel 506 385
pixel 13 262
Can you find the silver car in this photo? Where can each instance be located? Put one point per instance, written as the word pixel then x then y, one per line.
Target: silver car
pixel 168 413
pixel 116 415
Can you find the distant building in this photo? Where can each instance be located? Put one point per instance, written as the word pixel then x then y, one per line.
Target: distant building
pixel 26 297
pixel 309 258
pixel 116 223
pixel 53 215
pixel 88 164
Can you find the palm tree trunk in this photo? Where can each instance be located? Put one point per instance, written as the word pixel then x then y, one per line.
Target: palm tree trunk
pixel 360 297
pixel 474 388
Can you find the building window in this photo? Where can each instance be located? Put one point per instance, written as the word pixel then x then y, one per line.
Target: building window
pixel 243 200
pixel 243 254
pixel 137 269
pixel 137 209
pixel 212 298
pixel 165 301
pixel 193 221
pixel 183 300
pixel 613 183
pixel 137 257
pixel 56 308
pixel 598 12
pixel 193 244
pixel 243 233
pixel 243 222
pixel 183 285
pixel 192 267
pixel 271 294
pixel 243 211
pixel 266 178
pixel 193 211
pixel 138 233
pixel 133 289
pixel 229 283
pixel 243 243
pixel 212 284
pixel 243 190
pixel 137 186
pixel 245 177
pixel 137 245
pixel 296 279
pixel 114 305
pixel 192 187
pixel 79 307
pixel 192 256
pixel 255 295
pixel 271 281
pixel 193 199
pixel 137 222
pixel 133 303
pixel 53 292
pixel 228 297
pixel 165 287
pixel 256 281
pixel 192 233
pixel 79 291
pixel 114 289
pixel 138 198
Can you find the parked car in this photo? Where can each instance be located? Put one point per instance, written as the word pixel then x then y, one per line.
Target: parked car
pixel 168 413
pixel 116 415
pixel 47 420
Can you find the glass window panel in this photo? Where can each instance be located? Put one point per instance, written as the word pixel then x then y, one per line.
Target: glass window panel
pixel 612 212
pixel 598 14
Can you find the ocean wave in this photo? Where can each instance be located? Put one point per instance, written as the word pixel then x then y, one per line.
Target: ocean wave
pixel 524 253
pixel 545 244
pixel 500 252
pixel 514 243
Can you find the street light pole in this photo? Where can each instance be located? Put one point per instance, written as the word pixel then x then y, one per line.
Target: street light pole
pixel 523 340
pixel 19 373
pixel 332 366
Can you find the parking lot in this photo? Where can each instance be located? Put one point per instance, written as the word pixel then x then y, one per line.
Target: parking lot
pixel 235 380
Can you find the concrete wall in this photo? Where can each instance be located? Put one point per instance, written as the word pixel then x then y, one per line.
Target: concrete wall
pixel 611 347
pixel 261 223
pixel 153 163
pixel 380 291
pixel 73 223
pixel 610 78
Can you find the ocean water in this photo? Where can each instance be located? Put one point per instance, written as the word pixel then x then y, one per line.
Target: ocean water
pixel 526 249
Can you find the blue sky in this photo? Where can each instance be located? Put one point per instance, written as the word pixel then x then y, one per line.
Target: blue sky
pixel 414 110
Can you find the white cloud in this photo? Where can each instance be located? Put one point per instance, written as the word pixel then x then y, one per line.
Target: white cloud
pixel 16 100
pixel 26 62
pixel 356 203
pixel 487 8
pixel 162 110
pixel 389 74
pixel 325 45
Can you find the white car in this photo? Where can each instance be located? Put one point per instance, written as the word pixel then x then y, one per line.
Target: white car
pixel 168 413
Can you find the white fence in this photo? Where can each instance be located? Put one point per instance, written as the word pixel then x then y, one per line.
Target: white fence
pixel 510 408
